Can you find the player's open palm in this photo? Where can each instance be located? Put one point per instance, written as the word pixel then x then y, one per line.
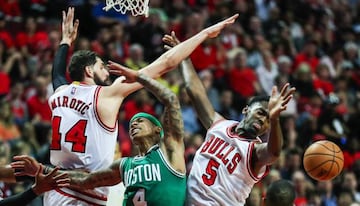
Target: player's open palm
pixel 119 70
pixel 69 27
pixel 214 30
pixel 278 101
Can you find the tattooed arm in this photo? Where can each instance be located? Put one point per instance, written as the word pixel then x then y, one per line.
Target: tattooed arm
pixel 172 121
pixel 106 177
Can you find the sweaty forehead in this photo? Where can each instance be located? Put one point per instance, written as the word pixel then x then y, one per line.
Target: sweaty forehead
pixel 259 105
pixel 99 60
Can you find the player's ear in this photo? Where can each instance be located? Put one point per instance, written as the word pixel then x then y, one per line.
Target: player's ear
pixel 245 110
pixel 89 71
pixel 158 130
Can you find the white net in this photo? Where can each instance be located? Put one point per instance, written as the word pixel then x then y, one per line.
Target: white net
pixel 136 7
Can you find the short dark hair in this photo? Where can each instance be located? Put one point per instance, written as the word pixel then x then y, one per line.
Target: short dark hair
pixel 260 98
pixel 280 192
pixel 79 61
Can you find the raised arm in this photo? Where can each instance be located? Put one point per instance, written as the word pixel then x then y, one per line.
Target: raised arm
pixel 195 88
pixel 172 120
pixel 173 57
pixel 106 177
pixel 267 153
pixel 69 33
pixel 27 165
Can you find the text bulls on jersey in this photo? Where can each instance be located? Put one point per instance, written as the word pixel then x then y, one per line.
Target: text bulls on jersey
pixel 223 152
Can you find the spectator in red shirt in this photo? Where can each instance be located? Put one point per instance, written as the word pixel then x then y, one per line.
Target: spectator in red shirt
pixel 308 55
pixel 205 56
pixel 39 110
pixel 140 103
pixel 322 82
pixel 103 37
pixel 4 34
pixel 351 153
pixel 10 8
pixel 32 41
pixel 242 79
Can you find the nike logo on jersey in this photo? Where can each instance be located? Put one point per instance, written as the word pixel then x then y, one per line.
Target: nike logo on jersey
pixel 72 103
pixel 142 173
pixel 223 152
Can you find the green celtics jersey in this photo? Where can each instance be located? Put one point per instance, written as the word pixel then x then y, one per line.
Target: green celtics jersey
pixel 151 181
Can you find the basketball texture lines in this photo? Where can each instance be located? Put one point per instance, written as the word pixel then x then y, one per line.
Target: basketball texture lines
pixel 323 160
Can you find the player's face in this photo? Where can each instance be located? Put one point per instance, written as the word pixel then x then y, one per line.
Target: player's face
pixel 256 120
pixel 101 74
pixel 139 129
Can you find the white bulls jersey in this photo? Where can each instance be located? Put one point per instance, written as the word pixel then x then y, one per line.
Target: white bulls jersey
pixel 80 140
pixel 221 172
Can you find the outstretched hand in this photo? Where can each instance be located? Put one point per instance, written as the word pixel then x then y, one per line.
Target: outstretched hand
pixel 53 180
pixel 170 40
pixel 214 30
pixel 69 27
pixel 120 70
pixel 278 101
pixel 26 165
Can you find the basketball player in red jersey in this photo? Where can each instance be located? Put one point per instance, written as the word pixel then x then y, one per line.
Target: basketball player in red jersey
pixel 84 120
pixel 232 158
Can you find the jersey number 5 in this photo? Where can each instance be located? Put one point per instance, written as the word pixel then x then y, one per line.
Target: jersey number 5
pixel 75 135
pixel 211 172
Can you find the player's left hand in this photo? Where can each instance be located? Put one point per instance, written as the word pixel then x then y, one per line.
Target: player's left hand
pixel 170 40
pixel 26 165
pixel 120 70
pixel 278 101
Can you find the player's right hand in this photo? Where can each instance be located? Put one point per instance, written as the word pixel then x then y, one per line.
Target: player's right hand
pixel 120 70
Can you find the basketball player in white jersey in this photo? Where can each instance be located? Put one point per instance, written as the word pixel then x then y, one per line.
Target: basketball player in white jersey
pixel 232 158
pixel 84 120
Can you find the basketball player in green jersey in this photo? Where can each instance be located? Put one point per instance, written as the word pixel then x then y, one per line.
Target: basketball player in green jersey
pixel 157 175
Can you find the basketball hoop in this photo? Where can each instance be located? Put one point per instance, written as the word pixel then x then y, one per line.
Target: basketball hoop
pixel 136 7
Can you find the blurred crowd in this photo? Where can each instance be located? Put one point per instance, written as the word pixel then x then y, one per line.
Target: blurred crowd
pixel 313 44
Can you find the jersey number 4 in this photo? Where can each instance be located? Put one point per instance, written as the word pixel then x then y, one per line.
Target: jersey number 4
pixel 75 135
pixel 139 198
pixel 210 172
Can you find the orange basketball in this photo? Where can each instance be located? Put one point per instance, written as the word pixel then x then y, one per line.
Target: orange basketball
pixel 323 160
